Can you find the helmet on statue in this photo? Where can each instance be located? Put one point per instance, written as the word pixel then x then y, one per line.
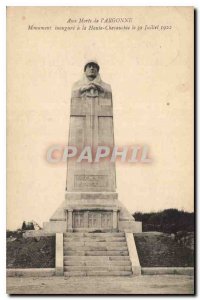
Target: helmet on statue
pixel 91 61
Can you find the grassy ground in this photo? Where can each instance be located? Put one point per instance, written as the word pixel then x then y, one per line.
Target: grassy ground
pixel 160 250
pixel 30 252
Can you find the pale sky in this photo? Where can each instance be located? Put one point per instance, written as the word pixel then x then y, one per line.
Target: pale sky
pixel 151 75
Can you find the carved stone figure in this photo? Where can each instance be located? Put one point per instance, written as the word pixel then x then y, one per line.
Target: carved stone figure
pixel 91 84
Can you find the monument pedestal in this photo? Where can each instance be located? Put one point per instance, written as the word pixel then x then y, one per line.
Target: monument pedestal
pixel 90 212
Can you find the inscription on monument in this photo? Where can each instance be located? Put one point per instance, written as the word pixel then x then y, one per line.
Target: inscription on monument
pixel 81 181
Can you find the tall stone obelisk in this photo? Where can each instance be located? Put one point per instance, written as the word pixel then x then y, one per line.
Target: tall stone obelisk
pixel 91 202
pixel 91 124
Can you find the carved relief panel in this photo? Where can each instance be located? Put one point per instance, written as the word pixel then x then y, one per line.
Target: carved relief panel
pixel 93 219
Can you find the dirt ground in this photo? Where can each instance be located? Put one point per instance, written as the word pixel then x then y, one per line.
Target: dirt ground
pixel 145 284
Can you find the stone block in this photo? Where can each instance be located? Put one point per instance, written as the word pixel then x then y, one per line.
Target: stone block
pixel 59 254
pixel 130 226
pixel 37 233
pixel 97 273
pixel 168 271
pixel 32 272
pixel 136 268
pixel 55 226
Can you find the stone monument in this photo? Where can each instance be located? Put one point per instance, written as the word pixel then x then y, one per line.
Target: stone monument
pixel 91 202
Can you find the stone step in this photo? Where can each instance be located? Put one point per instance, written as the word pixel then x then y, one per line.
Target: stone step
pixel 97 273
pixel 95 248
pixel 97 262
pixel 94 239
pixel 94 234
pixel 94 243
pixel 107 268
pixel 96 253
pixel 97 258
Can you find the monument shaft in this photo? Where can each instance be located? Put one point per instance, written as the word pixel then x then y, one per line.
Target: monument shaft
pixel 91 124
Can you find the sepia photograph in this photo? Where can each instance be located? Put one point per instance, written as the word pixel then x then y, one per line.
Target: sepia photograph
pixel 100 150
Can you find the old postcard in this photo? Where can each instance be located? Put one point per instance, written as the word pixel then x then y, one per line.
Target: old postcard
pixel 100 166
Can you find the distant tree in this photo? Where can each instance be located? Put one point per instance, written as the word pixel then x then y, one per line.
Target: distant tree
pixel 24 226
pixel 27 226
pixel 169 220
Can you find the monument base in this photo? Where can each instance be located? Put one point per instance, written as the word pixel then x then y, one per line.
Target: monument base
pixel 92 212
pixel 97 230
